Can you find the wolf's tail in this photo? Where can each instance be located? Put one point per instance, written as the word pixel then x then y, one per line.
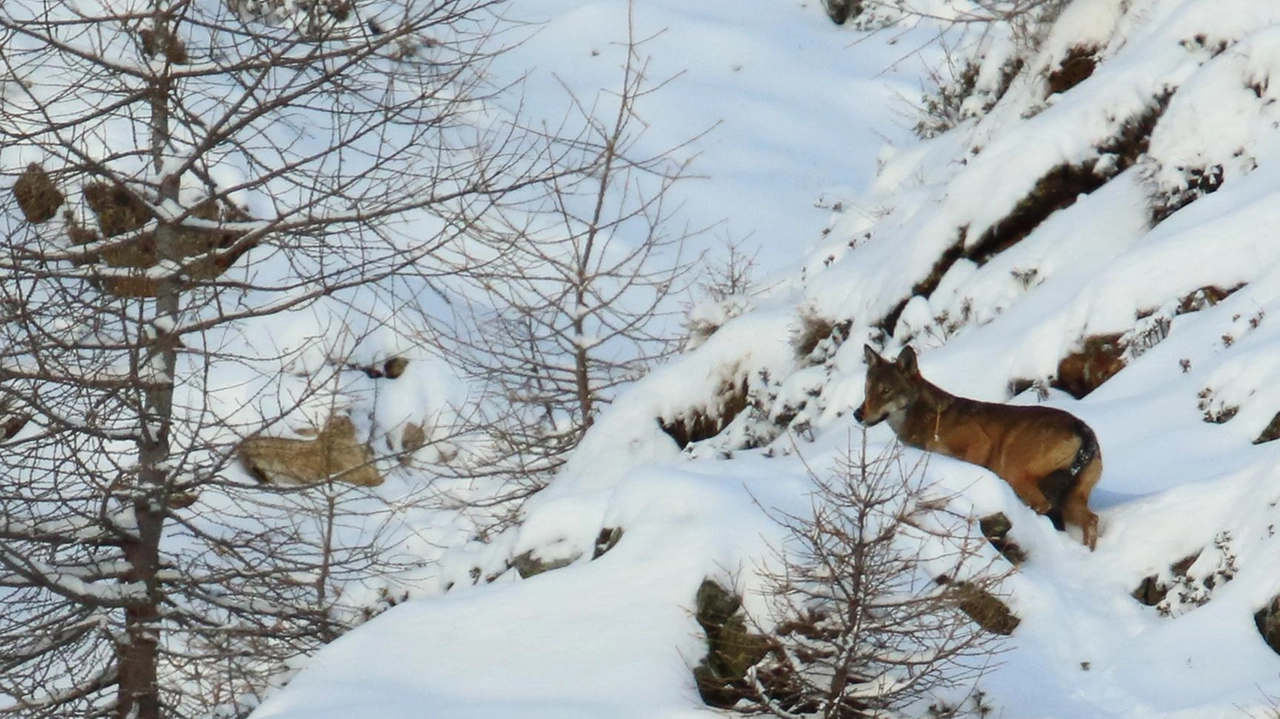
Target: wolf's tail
pixel 1088 448
pixel 1056 486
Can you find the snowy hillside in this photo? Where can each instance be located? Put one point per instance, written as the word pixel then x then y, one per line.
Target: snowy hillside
pixel 1096 233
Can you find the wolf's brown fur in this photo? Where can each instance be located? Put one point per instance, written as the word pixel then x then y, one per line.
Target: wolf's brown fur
pixel 1050 457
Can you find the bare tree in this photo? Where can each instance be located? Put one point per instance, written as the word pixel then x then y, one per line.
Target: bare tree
pixel 584 300
pixel 726 286
pixel 186 174
pixel 882 601
pixel 730 273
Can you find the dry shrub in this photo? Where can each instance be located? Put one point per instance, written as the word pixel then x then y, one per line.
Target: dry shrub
pixel 37 196
pixel 412 439
pixel 696 424
pixel 1191 581
pixel 943 109
pixel 1214 411
pixel 333 455
pixel 1073 69
pixel 815 333
pixel 1084 370
pixel 960 98
pixel 207 253
pixel 118 210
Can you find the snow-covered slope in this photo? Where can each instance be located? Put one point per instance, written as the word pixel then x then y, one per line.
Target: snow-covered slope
pixel 1101 234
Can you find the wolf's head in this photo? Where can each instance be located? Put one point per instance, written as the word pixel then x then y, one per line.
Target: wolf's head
pixel 891 387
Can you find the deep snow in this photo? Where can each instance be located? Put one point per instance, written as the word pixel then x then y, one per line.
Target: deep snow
pixel 804 112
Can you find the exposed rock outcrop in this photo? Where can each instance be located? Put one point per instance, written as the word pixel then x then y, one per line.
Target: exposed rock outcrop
pixel 732 648
pixel 1267 620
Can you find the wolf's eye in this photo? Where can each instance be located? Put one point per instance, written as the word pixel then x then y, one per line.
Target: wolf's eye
pixel 884 391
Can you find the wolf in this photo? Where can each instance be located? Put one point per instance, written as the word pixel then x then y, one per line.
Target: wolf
pixel 1050 457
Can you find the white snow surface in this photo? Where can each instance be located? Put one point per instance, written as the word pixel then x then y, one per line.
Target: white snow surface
pixel 807 111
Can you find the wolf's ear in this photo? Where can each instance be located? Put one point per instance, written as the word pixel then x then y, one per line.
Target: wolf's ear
pixel 907 361
pixel 871 356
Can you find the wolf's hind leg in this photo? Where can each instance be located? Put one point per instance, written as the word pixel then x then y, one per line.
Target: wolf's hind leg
pixel 1057 485
pixel 1032 496
pixel 1077 512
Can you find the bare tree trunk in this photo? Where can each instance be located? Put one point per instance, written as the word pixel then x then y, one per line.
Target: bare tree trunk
pixel 153 367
